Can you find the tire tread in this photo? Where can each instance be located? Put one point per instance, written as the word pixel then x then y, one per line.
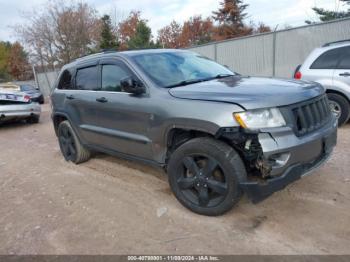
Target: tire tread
pixel 83 154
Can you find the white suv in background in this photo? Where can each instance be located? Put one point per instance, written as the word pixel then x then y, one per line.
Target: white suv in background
pixel 329 65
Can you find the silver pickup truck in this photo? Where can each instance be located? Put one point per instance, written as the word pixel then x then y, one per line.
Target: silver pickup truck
pixel 18 106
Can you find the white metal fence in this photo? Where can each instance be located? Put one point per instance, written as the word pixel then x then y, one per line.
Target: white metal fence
pixel 270 54
pixel 46 81
pixel 276 53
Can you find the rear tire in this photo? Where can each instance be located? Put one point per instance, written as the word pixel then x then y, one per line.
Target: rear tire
pixel 340 106
pixel 70 145
pixel 33 119
pixel 204 175
pixel 41 101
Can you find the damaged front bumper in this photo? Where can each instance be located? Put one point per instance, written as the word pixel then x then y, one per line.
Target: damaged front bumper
pixel 285 158
pixel 258 191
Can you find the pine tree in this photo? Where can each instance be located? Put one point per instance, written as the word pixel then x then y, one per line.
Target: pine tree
pixel 231 17
pixel 142 37
pixel 327 15
pixel 108 39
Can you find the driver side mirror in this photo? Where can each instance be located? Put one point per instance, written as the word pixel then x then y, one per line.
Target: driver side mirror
pixel 133 86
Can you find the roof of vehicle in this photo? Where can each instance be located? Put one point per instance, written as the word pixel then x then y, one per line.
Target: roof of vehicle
pixel 129 53
pixel 337 43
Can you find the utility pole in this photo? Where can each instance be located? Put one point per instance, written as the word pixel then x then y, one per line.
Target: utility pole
pixel 35 78
pixel 274 52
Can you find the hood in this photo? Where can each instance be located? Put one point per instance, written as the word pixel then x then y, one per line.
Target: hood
pixel 250 92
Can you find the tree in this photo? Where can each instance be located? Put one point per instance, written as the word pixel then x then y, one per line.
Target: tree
pixel 108 38
pixel 18 66
pixel 230 18
pixel 260 28
pixel 134 32
pixel 196 31
pixel 169 36
pixel 13 62
pixel 5 48
pixel 60 32
pixel 328 15
pixel 142 37
pixel 127 28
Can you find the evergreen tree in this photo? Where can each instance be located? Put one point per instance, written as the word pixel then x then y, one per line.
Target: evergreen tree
pixel 108 39
pixel 142 37
pixel 327 15
pixel 230 17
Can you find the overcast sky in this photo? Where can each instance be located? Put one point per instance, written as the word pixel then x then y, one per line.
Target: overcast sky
pixel 162 12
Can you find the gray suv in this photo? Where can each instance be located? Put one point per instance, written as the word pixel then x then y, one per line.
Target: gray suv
pixel 217 134
pixel 329 65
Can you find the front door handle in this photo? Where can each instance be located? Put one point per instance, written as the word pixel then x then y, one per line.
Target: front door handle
pixel 102 100
pixel 70 97
pixel 345 74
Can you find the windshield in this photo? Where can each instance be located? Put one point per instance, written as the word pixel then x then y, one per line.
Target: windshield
pixel 25 88
pixel 170 69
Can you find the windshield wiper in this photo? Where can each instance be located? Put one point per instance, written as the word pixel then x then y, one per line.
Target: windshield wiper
pixel 222 76
pixel 186 82
pixel 193 81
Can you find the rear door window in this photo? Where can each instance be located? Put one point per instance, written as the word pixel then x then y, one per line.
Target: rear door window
pixel 345 60
pixel 87 78
pixel 329 59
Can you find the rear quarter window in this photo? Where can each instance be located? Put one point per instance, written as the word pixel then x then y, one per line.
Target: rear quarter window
pixel 65 80
pixel 328 60
pixel 345 60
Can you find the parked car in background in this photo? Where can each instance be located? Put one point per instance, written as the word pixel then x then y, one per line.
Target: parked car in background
pixel 329 65
pixel 216 133
pixel 15 105
pixel 34 93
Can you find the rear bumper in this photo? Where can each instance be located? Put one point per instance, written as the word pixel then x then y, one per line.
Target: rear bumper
pixel 18 111
pixel 304 156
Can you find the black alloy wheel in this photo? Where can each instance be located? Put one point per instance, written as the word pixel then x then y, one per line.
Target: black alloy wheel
pixel 205 175
pixel 202 181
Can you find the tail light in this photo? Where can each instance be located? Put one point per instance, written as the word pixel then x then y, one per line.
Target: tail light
pixel 26 98
pixel 298 75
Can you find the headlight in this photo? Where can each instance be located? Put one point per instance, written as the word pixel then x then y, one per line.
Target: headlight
pixel 261 118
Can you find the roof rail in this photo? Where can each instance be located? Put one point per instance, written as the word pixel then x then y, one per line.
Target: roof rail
pixel 104 51
pixel 336 42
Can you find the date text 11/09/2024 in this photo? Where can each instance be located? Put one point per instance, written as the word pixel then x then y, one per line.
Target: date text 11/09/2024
pixel 173 258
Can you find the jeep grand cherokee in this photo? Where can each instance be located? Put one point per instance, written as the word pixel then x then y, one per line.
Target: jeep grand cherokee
pixel 217 134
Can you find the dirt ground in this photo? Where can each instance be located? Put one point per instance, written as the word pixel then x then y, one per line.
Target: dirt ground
pixel 112 206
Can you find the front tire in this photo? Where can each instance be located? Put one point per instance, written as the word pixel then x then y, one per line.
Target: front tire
pixel 70 145
pixel 204 175
pixel 340 107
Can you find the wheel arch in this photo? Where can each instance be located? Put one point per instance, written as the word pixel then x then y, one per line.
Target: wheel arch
pixel 334 91
pixel 59 117
pixel 177 136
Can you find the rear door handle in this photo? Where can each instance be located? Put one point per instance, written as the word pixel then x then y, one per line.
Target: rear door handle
pixel 70 97
pixel 102 100
pixel 345 74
